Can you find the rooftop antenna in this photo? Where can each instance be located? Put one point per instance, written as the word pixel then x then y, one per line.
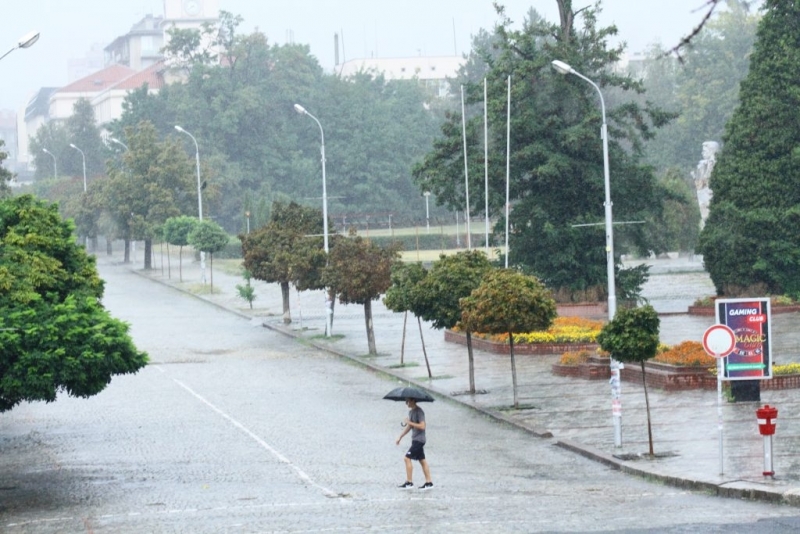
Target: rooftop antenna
pixel 455 48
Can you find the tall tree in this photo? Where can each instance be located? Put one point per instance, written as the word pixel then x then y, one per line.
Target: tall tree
pixel 54 332
pixel 155 182
pixel 359 272
pixel 556 160
pixel 752 236
pixel 508 302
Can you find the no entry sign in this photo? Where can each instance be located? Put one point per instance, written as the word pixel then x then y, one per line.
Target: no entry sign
pixel 719 340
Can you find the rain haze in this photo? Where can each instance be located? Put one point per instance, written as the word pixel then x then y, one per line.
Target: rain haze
pixel 367 28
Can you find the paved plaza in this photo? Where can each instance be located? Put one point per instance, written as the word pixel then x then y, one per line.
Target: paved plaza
pixel 234 427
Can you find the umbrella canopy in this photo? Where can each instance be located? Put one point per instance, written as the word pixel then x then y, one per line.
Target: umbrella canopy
pixel 403 393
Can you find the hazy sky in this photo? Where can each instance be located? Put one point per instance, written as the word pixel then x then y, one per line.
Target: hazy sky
pixel 383 28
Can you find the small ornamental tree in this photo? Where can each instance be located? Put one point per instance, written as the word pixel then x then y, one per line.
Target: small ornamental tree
pixel 508 302
pixel 436 297
pixel 208 236
pixel 176 232
pixel 405 276
pixel 359 272
pixel 632 336
pixel 287 250
pixel 55 334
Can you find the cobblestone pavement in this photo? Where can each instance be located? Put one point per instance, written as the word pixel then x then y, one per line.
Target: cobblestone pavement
pixel 236 428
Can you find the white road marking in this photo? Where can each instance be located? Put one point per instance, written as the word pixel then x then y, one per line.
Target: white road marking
pixel 277 454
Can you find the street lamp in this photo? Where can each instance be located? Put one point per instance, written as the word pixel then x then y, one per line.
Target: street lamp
pixel 83 156
pixel 55 165
pixel 199 194
pixel 328 303
pixel 564 68
pixel 247 214
pixel 117 141
pixel 427 212
pixel 26 41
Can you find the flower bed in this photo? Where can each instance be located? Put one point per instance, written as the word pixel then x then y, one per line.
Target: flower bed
pixel 566 334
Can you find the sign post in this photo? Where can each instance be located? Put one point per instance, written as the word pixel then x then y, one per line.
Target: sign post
pixel 719 341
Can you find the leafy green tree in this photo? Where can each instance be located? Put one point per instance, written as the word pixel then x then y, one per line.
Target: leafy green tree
pixel 632 336
pixel 358 272
pixel 282 251
pixel 436 297
pixel 207 236
pixel 399 298
pixel 752 236
pixel 556 160
pixel 176 232
pixel 155 182
pixel 54 332
pixel 508 302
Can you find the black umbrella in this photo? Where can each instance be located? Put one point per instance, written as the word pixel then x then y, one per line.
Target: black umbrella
pixel 403 393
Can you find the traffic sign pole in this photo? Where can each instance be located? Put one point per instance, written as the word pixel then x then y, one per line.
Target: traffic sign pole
pixel 719 341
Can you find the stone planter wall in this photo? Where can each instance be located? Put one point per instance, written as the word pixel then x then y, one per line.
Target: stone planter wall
pixel 589 310
pixel 529 349
pixel 662 376
pixel 709 311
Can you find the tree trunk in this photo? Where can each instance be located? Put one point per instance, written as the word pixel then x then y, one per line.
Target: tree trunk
pixel 109 246
pixel 180 263
pixel 211 270
pixel 425 352
pixel 332 298
pixel 370 330
pixel 127 251
pixel 471 363
pixel 403 342
pixel 169 264
pixel 513 369
pixel 647 404
pixel 287 314
pixel 148 254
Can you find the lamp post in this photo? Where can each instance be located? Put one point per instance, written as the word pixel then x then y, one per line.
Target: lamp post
pixel 55 164
pixel 427 212
pixel 247 214
pixel 83 156
pixel 616 404
pixel 26 41
pixel 328 302
pixel 199 194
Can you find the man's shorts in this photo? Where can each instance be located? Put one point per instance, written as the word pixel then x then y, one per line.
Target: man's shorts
pixel 417 451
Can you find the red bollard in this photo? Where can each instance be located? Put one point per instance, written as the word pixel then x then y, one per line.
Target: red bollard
pixel 766 427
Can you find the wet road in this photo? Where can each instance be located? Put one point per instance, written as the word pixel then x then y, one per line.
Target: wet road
pixel 234 428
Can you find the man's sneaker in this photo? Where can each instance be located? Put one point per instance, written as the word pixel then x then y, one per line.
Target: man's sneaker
pixel 426 486
pixel 406 485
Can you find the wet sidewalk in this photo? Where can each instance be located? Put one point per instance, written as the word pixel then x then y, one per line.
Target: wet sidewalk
pixel 574 413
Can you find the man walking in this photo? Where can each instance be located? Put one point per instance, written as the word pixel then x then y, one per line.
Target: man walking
pixel 416 423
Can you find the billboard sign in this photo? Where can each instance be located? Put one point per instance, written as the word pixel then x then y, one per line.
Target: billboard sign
pixel 750 320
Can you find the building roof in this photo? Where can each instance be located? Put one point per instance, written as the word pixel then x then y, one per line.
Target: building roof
pixel 100 80
pixel 406 68
pixel 39 104
pixel 152 76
